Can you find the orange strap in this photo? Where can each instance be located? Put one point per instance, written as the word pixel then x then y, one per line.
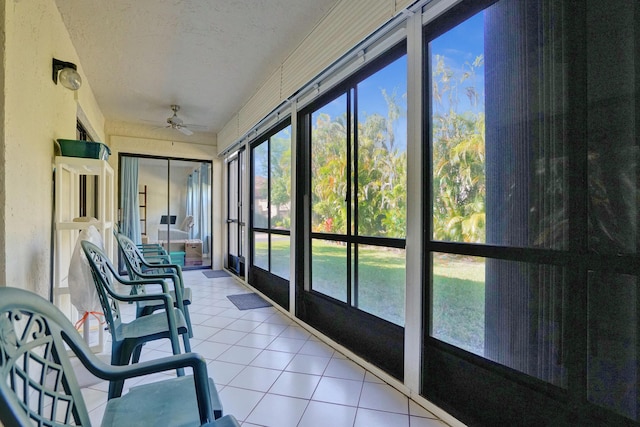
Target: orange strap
pixel 97 314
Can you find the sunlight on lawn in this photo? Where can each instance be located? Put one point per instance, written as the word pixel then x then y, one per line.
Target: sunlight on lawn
pixel 458 287
pixel 458 301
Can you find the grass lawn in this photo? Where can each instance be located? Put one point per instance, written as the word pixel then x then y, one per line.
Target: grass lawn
pixel 458 287
pixel 458 301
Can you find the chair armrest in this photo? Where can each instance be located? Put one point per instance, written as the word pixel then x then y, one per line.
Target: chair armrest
pixel 187 360
pixel 164 296
pixel 168 301
pixel 177 271
pixel 169 265
pixel 178 285
pixel 160 277
pixel 152 256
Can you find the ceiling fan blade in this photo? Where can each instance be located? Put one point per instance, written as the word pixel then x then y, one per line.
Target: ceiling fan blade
pixel 184 130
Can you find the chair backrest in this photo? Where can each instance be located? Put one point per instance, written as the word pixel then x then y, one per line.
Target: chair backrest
pixel 103 272
pixel 132 256
pixel 38 384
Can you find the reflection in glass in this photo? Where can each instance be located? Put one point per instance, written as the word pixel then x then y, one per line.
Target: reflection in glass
pixel 506 311
pixel 329 268
pixel 280 255
pixel 329 167
pixel 261 250
pixel 498 142
pixel 381 282
pixel 261 185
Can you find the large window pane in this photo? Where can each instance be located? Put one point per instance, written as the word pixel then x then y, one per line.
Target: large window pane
pixel 382 152
pixel 613 129
pixel 261 250
pixel 506 311
pixel 261 185
pixel 381 282
pixel 329 167
pixel 280 255
pixel 280 175
pixel 458 301
pixel 498 120
pixel 329 268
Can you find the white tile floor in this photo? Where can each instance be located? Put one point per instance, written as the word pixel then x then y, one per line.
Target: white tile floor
pixel 271 372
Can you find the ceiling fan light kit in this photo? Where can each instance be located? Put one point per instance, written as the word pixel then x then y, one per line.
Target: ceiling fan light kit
pixel 175 122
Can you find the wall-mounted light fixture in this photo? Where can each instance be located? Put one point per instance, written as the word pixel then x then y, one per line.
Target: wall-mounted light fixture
pixel 67 73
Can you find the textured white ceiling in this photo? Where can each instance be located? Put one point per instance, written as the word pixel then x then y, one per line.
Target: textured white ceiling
pixel 208 56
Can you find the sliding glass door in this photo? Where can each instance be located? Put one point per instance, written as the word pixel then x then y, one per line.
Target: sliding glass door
pixel 168 201
pixel 235 260
pixel 271 214
pixel 355 144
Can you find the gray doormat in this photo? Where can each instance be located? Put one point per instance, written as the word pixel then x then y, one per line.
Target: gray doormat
pixel 248 301
pixel 214 274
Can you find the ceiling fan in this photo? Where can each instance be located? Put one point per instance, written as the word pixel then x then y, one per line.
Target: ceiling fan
pixel 175 122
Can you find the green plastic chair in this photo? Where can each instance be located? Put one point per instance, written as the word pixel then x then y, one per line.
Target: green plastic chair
pixel 38 385
pixel 139 268
pixel 127 339
pixel 154 251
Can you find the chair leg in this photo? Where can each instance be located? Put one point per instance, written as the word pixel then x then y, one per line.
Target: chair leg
pixel 120 357
pixel 175 347
pixel 135 356
pixel 187 317
pixel 187 344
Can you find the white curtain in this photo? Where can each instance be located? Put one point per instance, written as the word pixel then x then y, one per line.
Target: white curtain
pixel 130 226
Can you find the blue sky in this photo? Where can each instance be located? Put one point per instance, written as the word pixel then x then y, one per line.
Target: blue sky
pixel 460 45
pixel 371 101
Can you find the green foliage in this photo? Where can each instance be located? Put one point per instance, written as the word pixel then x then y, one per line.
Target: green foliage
pixel 328 169
pixel 459 188
pixel 281 179
pixel 381 174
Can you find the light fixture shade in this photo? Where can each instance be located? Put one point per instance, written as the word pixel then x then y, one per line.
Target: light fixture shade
pixel 70 79
pixel 67 73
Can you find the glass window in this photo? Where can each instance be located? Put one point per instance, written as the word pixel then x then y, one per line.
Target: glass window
pixel 499 177
pixel 329 167
pixel 382 152
pixel 261 250
pixel 381 285
pixel 235 224
pixel 506 311
pixel 260 158
pixel 498 133
pixel 271 202
pixel 533 174
pixel 329 268
pixel 281 255
pixel 280 178
pixel 357 178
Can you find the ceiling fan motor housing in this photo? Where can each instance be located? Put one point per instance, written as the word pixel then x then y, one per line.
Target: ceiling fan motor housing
pixel 176 122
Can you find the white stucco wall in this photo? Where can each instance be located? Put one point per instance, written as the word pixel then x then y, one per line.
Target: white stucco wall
pixel 131 139
pixel 36 112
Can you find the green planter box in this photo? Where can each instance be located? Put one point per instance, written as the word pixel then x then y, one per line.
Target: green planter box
pixel 88 150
